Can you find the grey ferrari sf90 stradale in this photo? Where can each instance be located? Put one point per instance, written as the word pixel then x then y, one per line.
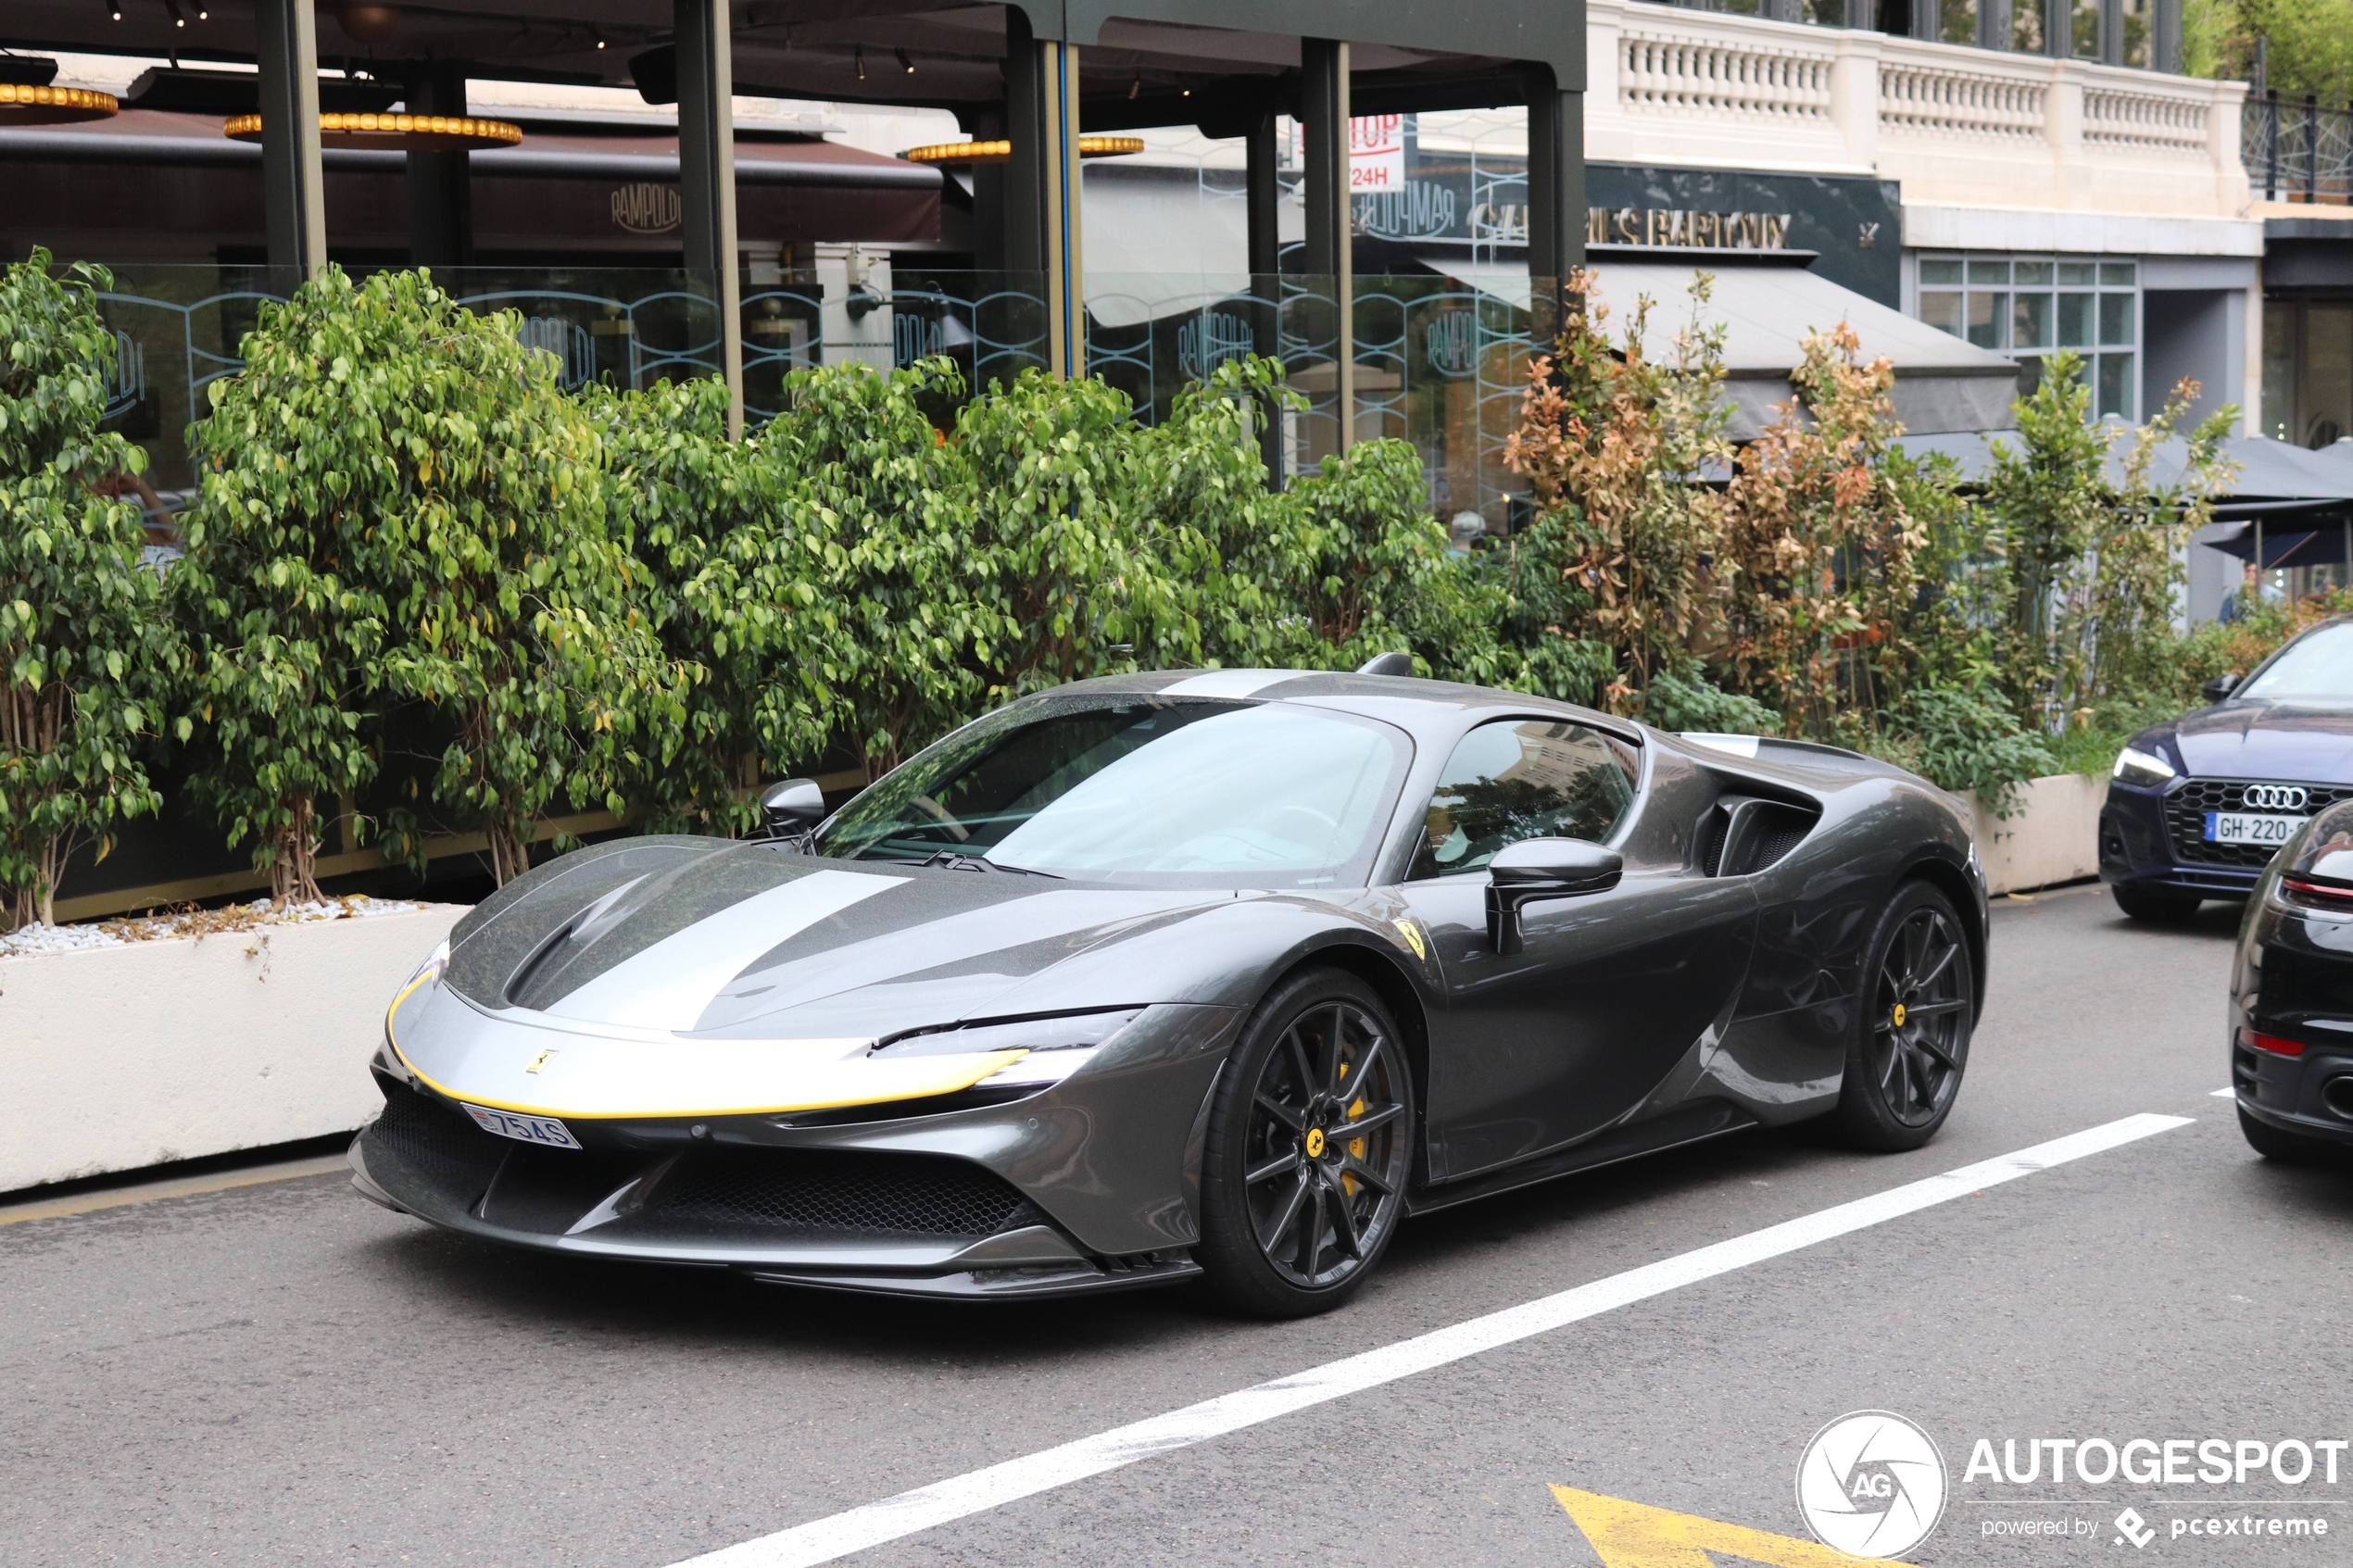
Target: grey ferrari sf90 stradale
pixel 1184 976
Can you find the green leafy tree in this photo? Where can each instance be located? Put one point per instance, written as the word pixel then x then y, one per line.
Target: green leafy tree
pixel 400 506
pixel 728 578
pixel 2310 43
pixel 87 655
pixel 873 479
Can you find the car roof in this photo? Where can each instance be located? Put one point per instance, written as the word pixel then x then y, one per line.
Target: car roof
pixel 1415 704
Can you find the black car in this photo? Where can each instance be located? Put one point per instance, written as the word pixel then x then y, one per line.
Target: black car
pixel 2197 807
pixel 2292 997
pixel 1185 974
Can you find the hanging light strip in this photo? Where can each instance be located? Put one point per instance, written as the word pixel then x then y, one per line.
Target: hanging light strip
pixel 415 132
pixel 1002 151
pixel 22 104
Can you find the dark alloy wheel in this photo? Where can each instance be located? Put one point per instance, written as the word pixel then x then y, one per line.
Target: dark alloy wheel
pixel 1310 1144
pixel 2155 905
pixel 1910 1044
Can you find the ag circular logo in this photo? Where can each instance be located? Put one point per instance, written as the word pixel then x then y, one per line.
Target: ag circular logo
pixel 1871 1484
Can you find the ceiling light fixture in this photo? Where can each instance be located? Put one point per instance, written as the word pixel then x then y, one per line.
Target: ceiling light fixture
pixel 1135 88
pixel 597 36
pixel 905 64
pixel 173 6
pixel 857 58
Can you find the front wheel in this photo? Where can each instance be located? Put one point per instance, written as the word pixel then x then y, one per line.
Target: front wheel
pixel 1310 1143
pixel 1907 1052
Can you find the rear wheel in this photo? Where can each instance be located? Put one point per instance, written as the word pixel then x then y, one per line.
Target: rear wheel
pixel 2288 1148
pixel 2156 906
pixel 1907 1051
pixel 1309 1146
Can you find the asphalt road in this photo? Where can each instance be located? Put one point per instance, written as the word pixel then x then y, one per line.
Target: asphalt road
pixel 284 1373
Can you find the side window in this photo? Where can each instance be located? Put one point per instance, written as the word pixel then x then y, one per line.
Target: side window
pixel 1530 778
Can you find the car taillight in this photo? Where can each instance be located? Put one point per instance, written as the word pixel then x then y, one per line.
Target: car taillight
pixel 2326 893
pixel 2277 1044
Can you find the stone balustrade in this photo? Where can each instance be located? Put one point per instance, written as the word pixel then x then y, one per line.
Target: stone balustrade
pixel 1959 126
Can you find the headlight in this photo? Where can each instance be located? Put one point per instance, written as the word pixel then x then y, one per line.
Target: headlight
pixel 2142 768
pixel 1056 1047
pixel 436 964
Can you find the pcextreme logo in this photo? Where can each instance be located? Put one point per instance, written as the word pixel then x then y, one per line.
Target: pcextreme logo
pixel 1871 1484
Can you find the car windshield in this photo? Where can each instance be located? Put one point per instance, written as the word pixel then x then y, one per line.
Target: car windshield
pixel 2316 668
pixel 1165 793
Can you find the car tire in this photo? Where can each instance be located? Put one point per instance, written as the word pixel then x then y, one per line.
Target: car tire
pixel 1907 1047
pixel 1295 1212
pixel 2155 905
pixel 2288 1147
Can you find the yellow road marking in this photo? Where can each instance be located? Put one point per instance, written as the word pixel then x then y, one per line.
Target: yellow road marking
pixel 188 1187
pixel 1633 1535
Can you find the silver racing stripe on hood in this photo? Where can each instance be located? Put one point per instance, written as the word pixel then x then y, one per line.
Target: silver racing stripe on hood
pixel 670 984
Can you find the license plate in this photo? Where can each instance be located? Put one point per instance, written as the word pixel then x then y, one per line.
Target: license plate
pixel 2249 827
pixel 542 1129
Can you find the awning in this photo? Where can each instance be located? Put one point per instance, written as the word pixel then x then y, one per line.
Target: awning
pixel 114 187
pixel 2286 485
pixel 1767 309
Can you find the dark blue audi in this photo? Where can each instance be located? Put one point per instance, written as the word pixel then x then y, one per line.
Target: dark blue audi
pixel 2197 807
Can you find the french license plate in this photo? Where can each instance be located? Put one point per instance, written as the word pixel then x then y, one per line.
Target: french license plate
pixel 542 1129
pixel 2249 827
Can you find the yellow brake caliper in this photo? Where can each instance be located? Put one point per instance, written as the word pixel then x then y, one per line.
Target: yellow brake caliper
pixel 1355 1146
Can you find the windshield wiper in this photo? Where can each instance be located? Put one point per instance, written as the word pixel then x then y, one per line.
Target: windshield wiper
pixel 955 860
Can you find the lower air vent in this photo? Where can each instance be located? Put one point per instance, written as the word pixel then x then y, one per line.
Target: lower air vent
pixel 442 1143
pixel 1742 834
pixel 829 1193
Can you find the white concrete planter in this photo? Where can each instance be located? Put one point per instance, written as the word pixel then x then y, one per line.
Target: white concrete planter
pixel 2052 834
pixel 116 1058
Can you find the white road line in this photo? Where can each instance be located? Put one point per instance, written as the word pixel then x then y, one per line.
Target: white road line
pixel 2226 1094
pixel 823 1540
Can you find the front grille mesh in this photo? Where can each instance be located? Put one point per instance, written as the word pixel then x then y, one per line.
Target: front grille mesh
pixel 843 1192
pixel 444 1143
pixel 2186 806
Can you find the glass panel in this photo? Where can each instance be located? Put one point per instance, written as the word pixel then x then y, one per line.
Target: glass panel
pixel 2318 669
pixel 2325 403
pixel 1985 312
pixel 1505 783
pixel 1941 310
pixel 2116 321
pixel 2032 272
pixel 2116 385
pixel 2279 368
pixel 2075 321
pixel 1123 789
pixel 2137 45
pixel 2030 374
pixel 2030 320
pixel 1957 22
pixel 2078 272
pixel 1940 270
pixel 2115 272
pixel 1989 271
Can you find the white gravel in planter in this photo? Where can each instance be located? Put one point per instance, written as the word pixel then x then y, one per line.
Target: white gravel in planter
pixel 258 915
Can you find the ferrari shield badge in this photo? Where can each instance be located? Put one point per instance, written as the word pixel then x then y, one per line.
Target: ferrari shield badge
pixel 1412 935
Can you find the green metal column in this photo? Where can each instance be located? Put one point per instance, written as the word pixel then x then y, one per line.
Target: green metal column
pixel 707 176
pixel 1324 129
pixel 294 186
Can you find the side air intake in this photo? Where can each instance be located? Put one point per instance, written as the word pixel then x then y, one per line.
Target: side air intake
pixel 1742 834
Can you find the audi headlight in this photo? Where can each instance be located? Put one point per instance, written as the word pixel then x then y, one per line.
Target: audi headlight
pixel 2144 769
pixel 1055 1048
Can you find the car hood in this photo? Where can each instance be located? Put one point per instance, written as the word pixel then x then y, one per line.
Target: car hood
pixel 750 941
pixel 2261 740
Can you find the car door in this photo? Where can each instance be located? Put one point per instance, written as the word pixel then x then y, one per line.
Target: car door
pixel 1609 990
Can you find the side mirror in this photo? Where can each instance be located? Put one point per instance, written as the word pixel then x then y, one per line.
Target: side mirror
pixel 2221 687
pixel 794 806
pixel 1543 868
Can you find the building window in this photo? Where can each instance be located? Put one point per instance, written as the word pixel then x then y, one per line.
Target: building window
pixel 2307 370
pixel 2029 306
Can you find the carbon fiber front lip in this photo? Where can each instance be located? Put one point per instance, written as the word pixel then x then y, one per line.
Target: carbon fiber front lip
pixel 1033 1262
